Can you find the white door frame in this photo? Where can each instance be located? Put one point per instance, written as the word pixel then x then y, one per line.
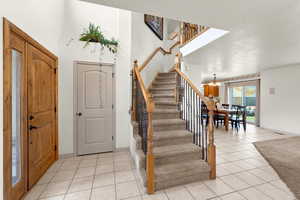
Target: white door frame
pixel 75 128
pixel 254 82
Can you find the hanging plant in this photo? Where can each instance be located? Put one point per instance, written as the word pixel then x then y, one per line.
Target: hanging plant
pixel 94 34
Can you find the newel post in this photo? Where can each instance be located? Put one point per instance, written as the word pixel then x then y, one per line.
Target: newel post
pixel 178 82
pixel 211 140
pixel 178 61
pixel 150 157
pixel 182 33
pixel 133 91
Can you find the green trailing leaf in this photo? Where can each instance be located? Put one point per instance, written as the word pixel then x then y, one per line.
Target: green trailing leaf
pixel 94 34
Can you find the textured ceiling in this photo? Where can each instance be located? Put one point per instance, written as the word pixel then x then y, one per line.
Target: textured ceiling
pixel 263 34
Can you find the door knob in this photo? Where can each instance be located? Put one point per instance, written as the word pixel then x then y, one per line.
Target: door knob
pixel 79 114
pixel 32 127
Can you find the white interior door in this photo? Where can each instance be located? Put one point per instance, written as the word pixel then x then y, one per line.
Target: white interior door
pixel 94 108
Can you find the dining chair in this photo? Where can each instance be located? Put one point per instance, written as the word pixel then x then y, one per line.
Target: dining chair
pixel 239 117
pixel 204 113
pixel 225 105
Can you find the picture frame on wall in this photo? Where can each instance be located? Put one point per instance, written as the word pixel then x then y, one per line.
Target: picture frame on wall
pixel 156 24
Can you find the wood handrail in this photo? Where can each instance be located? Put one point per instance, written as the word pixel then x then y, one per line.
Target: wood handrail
pixel 146 94
pixel 173 35
pixel 150 109
pixel 188 37
pixel 159 49
pixel 195 36
pixel 202 97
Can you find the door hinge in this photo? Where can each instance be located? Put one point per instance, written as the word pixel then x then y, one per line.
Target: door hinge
pixel 55 148
pixel 55 109
pixel 54 70
pixel 112 137
pixel 113 75
pixel 112 106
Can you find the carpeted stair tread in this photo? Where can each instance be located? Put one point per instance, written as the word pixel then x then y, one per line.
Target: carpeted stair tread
pixel 172 150
pixel 162 79
pixel 165 110
pixel 164 83
pixel 163 89
pixel 168 122
pixel 161 135
pixel 165 77
pixel 166 73
pixel 182 169
pixel 163 95
pixel 162 111
pixel 166 103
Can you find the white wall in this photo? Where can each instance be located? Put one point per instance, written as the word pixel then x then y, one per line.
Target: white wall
pixel 193 72
pixel 43 24
pixel 124 66
pixel 77 17
pixel 280 111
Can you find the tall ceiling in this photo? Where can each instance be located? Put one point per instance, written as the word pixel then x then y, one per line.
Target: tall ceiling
pixel 263 33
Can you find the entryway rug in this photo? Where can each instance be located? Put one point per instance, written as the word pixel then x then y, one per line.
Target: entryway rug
pixel 284 156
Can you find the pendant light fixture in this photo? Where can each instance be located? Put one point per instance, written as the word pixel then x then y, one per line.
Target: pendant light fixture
pixel 214 82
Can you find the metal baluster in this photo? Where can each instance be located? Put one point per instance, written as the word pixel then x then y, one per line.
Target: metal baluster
pixel 206 130
pixel 186 104
pixel 182 93
pixel 203 136
pixel 197 115
pixel 194 109
pixel 190 106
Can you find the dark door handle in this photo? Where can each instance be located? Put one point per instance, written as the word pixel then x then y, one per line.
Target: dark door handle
pixel 79 114
pixel 32 127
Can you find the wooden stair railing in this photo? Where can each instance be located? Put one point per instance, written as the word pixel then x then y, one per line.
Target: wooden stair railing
pixel 206 138
pixel 142 112
pixel 190 32
pixel 137 113
pixel 142 109
pixel 159 49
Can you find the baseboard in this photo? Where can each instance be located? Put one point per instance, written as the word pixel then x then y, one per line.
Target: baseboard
pixel 280 131
pixel 65 156
pixel 122 149
pixel 70 155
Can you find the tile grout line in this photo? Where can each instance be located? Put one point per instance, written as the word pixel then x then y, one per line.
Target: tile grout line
pixel 219 177
pixel 48 183
pixel 73 177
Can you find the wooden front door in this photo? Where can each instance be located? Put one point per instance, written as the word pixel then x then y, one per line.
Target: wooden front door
pixel 29 111
pixel 94 108
pixel 41 113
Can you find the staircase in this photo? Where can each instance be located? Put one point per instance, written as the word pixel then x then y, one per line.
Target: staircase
pixel 177 159
pixel 170 147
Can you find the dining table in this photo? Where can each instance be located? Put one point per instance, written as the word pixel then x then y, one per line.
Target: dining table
pixel 227 112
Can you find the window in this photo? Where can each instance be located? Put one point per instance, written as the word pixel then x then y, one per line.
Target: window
pixel 16 117
pixel 245 96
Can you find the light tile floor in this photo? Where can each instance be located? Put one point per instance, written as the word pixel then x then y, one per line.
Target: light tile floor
pixel 242 173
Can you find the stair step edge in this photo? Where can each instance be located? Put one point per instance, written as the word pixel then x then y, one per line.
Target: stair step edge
pixel 176 149
pixel 168 134
pixel 194 166
pixel 168 121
